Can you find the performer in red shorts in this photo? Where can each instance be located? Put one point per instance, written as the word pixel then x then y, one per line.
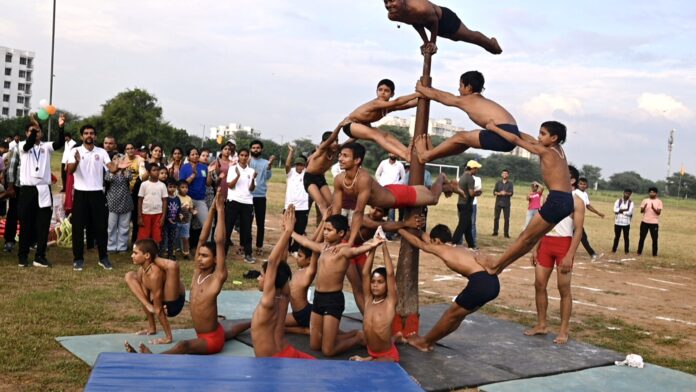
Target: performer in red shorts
pixel 557 248
pixel 356 182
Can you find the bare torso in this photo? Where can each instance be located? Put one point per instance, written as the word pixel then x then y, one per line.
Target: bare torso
pixel 331 270
pixel 459 259
pixel 204 301
pixel 264 327
pixel 379 196
pixel 417 12
pixel 554 169
pixel 301 280
pixel 321 161
pixel 481 110
pixel 368 113
pixel 377 323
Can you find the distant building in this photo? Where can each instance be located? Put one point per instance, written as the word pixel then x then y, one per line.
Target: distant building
pixel 228 131
pixel 521 152
pixel 17 78
pixel 442 127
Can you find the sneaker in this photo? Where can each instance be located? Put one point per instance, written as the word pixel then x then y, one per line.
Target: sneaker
pixel 9 246
pixel 104 263
pixel 78 264
pixel 249 260
pixel 41 262
pixel 23 263
pixel 596 257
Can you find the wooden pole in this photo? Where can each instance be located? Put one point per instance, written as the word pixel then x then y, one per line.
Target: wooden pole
pixel 407 266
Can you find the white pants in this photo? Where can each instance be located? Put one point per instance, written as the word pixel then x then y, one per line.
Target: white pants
pixel 117 229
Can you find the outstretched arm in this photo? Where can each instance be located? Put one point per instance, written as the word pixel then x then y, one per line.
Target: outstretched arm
pixel 412 222
pixel 208 225
pixel 307 243
pixel 334 136
pixel 391 277
pixel 366 271
pixel 400 103
pixel 350 253
pixel 275 258
pixel 532 146
pixel 443 97
pixel 337 202
pixel 288 160
pixel 220 232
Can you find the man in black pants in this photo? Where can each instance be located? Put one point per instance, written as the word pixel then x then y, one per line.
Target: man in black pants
pixel 13 192
pixel 262 167
pixel 87 165
pixel 466 192
pixel 503 192
pixel 36 205
pixel 581 192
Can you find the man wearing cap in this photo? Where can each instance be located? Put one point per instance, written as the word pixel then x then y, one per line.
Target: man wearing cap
pixel 466 189
pixel 263 174
pixel 296 194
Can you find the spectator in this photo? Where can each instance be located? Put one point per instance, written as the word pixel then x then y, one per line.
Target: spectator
pixel 69 144
pixel 503 191
pixel 241 181
pixel 623 212
pixel 582 193
pixel 186 213
pixel 110 146
pixel 134 162
pixel 152 205
pixel 296 195
pixel 478 187
pixel 36 206
pixel 651 208
pixel 13 191
pixel 87 166
pixel 170 221
pixel 177 161
pixel 120 206
pixel 535 200
pixel 222 165
pixel 263 174
pixel 195 175
pixel 466 192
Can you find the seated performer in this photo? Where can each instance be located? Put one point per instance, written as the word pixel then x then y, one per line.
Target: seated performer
pixel 481 289
pixel 268 321
pixel 329 302
pixel 210 273
pixel 380 308
pixel 358 124
pixel 298 320
pixel 480 110
pixel 158 286
pixel 422 14
pixel 559 202
pixel 356 182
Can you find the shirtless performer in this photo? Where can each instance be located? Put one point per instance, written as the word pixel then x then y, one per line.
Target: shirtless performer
pixel 559 202
pixel 329 302
pixel 422 14
pixel 358 124
pixel 480 110
pixel 298 321
pixel 318 163
pixel 158 286
pixel 380 308
pixel 481 289
pixel 209 275
pixel 357 182
pixel 268 321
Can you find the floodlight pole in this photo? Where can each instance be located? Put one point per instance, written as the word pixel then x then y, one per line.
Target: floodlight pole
pixel 407 266
pixel 53 46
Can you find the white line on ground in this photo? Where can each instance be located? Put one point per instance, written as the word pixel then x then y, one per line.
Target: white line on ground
pixel 675 320
pixel 429 292
pixel 576 302
pixel 610 272
pixel 588 288
pixel 527 267
pixel 665 281
pixel 629 259
pixel 660 268
pixel 441 278
pixel 645 286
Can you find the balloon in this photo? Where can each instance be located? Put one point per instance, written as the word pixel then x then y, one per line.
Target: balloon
pixel 51 110
pixel 43 103
pixel 42 114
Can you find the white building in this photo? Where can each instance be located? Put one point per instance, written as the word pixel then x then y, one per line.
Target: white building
pixel 17 78
pixel 442 127
pixel 228 131
pixel 521 152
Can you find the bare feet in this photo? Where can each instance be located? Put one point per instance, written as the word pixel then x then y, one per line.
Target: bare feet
pixel 419 343
pixel 161 341
pixel 537 330
pixel 487 262
pixel 399 338
pixel 143 349
pixel 495 47
pixel 129 348
pixel 146 332
pixel 421 149
pixel 360 359
pixel 562 338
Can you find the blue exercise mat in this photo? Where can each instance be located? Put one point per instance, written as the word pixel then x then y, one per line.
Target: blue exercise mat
pixel 606 378
pixel 138 372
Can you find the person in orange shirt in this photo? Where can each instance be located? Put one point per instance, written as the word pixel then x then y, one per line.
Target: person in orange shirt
pixel 651 208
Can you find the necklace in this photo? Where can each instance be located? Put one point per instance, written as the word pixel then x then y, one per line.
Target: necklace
pixel 204 279
pixel 37 154
pixel 148 268
pixel 353 183
pixel 378 302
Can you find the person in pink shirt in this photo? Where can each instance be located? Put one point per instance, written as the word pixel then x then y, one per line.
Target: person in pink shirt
pixel 651 208
pixel 534 197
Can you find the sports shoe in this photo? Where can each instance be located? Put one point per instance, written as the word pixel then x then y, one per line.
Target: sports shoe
pixel 9 246
pixel 596 257
pixel 41 262
pixel 104 263
pixel 249 260
pixel 78 264
pixel 23 263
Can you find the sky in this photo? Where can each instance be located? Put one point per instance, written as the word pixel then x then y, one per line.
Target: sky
pixel 619 74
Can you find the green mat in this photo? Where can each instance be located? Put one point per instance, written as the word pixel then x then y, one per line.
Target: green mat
pixel 606 378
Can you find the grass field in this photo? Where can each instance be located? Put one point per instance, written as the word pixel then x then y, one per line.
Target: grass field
pixel 37 305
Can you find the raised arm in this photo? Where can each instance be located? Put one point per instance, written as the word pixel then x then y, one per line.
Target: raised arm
pixel 288 160
pixel 337 202
pixel 334 136
pixel 351 253
pixel 307 243
pixel 275 258
pixel 366 271
pixel 391 277
pixel 220 232
pixel 207 226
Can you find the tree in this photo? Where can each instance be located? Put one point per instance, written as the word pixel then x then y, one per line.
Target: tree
pixel 681 186
pixel 592 173
pixel 521 169
pixel 630 180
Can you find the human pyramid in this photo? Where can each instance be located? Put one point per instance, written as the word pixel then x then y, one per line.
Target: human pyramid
pixel 339 247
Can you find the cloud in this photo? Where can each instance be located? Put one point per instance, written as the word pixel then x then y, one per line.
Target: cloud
pixel 664 105
pixel 547 105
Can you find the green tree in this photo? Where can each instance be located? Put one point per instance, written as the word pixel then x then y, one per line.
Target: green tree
pixel 678 185
pixel 592 173
pixel 630 180
pixel 521 169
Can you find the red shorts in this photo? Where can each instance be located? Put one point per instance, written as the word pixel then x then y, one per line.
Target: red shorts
pixel 359 261
pixel 291 352
pixel 552 250
pixel 405 195
pixel 392 353
pixel 151 228
pixel 215 340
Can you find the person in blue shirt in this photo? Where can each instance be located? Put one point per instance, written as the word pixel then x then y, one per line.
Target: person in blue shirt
pixel 195 175
pixel 263 174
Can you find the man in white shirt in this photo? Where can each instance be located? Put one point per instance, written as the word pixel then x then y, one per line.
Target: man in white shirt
pixel 87 165
pixel 581 193
pixel 623 209
pixel 35 207
pixel 296 194
pixel 389 172
pixel 69 144
pixel 241 180
pixel 478 186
